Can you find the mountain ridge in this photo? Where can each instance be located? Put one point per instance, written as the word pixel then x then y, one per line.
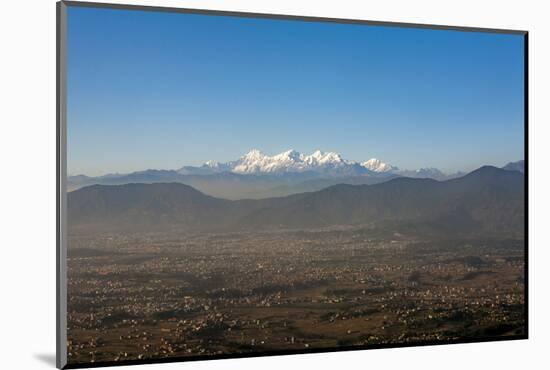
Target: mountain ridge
pixel 487 200
pixel 515 166
pixel 286 173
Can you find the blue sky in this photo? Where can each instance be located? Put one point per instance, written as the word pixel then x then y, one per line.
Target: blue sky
pixel 163 90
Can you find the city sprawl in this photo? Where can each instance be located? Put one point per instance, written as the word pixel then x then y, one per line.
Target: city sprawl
pixel 157 295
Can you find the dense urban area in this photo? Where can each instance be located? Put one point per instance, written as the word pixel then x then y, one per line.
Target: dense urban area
pixel 160 295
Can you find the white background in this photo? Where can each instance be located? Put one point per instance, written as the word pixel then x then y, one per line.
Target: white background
pixel 27 171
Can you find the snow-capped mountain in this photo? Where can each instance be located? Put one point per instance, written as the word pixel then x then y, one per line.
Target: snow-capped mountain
pixel 289 161
pixel 325 164
pixel 257 175
pixel 377 165
pixel 292 161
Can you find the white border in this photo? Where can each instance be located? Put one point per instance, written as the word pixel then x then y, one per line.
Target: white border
pixel 28 181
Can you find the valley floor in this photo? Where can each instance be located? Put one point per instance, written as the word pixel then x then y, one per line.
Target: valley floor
pixel 158 296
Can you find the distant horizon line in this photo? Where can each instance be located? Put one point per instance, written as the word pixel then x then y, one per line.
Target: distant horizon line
pixel 212 161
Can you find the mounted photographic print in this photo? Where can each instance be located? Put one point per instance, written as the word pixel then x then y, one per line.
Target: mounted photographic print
pixel 235 184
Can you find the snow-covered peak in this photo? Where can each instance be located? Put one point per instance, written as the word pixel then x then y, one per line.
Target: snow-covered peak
pixel 331 157
pixel 377 165
pixel 212 167
pixel 320 158
pixel 288 161
pixel 253 154
pixel 326 163
pixel 211 164
pixel 317 154
pixel 290 155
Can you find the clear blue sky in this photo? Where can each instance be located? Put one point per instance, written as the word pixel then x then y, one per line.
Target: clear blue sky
pixel 162 90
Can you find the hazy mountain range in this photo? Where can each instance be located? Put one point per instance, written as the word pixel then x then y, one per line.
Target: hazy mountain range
pixel 515 166
pixel 256 175
pixel 487 201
